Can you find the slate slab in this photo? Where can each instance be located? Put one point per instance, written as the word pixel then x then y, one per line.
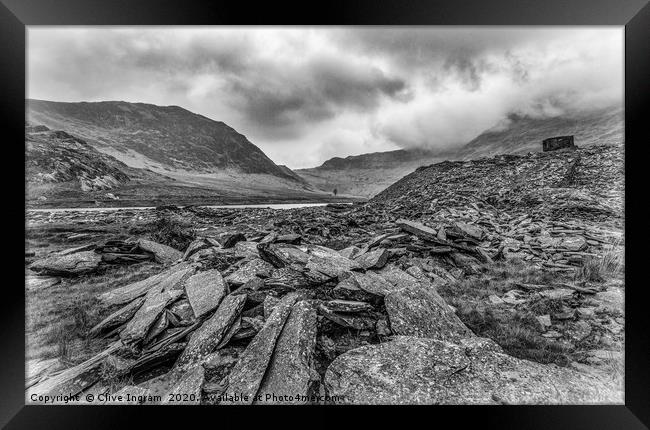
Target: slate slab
pixel 373 259
pixel 209 335
pixel 68 264
pixel 249 271
pixel 154 303
pixel 290 371
pixel 118 317
pixel 170 278
pixel 204 291
pixel 163 253
pixel 247 374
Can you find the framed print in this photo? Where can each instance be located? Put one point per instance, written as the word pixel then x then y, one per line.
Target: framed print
pixel 418 204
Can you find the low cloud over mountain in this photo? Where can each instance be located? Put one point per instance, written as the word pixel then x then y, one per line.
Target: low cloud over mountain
pixel 306 95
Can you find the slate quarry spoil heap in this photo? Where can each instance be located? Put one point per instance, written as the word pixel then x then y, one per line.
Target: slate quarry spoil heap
pixel 341 304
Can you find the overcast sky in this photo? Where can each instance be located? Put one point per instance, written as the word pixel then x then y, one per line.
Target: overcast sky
pixel 304 95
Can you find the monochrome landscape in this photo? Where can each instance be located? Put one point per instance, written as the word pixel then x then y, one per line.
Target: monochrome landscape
pixel 344 215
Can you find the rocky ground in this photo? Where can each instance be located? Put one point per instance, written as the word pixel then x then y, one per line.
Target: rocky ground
pixel 494 281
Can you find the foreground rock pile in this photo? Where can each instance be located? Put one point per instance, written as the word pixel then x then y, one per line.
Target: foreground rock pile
pixel 553 209
pixel 341 304
pixel 89 258
pixel 275 320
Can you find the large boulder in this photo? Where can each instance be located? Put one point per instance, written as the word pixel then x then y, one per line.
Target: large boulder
pixel 413 370
pixel 420 311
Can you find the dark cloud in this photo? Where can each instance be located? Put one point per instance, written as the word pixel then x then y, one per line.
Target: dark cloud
pixel 301 93
pixel 311 92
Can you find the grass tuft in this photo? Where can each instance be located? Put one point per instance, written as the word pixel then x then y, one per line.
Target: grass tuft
pixel 601 268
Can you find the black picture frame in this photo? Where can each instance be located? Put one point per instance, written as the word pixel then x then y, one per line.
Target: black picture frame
pixel 15 15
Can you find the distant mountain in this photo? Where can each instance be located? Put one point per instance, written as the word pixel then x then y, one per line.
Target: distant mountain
pixel 367 174
pixel 377 160
pixel 161 138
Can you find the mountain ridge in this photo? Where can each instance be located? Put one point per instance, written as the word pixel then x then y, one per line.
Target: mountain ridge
pixel 163 138
pixel 366 175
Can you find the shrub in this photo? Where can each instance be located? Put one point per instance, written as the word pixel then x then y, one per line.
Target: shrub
pixel 171 232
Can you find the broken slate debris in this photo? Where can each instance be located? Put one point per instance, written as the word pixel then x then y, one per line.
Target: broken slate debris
pixel 344 301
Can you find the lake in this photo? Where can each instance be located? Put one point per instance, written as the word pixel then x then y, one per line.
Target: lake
pixel 111 209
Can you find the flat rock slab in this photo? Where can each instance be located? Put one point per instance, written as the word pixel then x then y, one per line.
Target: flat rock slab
pixel 118 317
pixel 247 375
pixel 327 263
pixel 418 229
pixel 371 283
pixel 420 311
pixel 164 254
pixel 347 306
pixel 249 271
pixel 374 259
pixel 187 390
pixel 413 370
pixel 289 372
pixel 281 255
pixel 154 303
pixel 170 278
pixel 207 337
pixel 204 291
pixel 68 264
pixel 397 277
pixel 292 238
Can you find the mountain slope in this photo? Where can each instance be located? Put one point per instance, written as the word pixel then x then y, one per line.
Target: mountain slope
pixel 586 183
pixel 523 134
pixel 177 155
pixel 368 174
pixel 65 171
pixel 162 138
